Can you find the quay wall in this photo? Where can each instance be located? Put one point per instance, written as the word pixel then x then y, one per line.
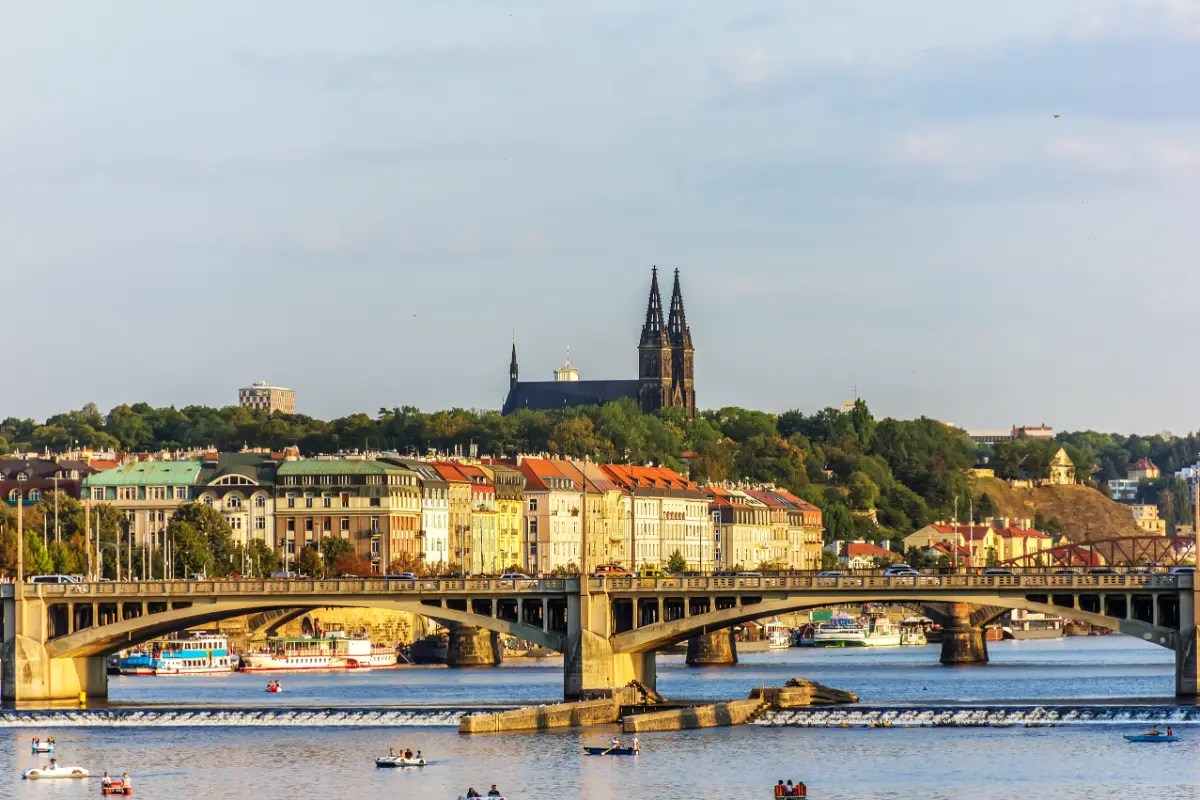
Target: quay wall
pixel 534 718
pixel 734 712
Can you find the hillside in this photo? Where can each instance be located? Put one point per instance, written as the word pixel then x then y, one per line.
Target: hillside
pixel 1086 514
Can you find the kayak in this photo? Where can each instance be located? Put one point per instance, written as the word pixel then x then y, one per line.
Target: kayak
pixel 610 751
pixel 1146 737
pixel 398 761
pixel 43 747
pixel 57 772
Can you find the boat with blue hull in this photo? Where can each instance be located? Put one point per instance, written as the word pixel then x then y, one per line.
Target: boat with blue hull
pixel 1152 737
pixel 181 655
pixel 610 751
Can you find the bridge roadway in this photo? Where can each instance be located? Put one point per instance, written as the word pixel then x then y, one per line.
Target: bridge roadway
pixel 55 636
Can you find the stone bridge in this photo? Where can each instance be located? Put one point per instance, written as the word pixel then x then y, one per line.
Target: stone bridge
pixel 55 636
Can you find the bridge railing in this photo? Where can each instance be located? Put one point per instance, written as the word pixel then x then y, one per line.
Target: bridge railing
pixel 858 582
pixel 133 590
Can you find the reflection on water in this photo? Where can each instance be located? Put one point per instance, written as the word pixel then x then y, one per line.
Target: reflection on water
pixel 1073 762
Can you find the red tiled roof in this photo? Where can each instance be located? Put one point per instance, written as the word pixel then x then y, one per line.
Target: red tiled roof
pixel 948 549
pixel 628 477
pixel 867 549
pixel 534 469
pixel 768 498
pixel 1021 533
pixel 1144 464
pixel 967 531
pixel 103 463
pixel 449 472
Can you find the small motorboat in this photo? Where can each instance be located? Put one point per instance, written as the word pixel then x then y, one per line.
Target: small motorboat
pixel 1152 737
pixel 275 688
pixel 60 771
pixel 398 761
pixel 116 788
pixel 42 747
pixel 611 751
pixel 493 797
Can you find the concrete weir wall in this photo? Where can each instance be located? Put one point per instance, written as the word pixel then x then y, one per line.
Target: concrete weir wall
pixel 735 712
pixel 534 718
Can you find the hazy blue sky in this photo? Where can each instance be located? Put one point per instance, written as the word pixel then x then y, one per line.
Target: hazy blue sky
pixel 361 200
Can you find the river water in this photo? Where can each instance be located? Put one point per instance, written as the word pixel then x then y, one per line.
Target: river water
pixel 190 736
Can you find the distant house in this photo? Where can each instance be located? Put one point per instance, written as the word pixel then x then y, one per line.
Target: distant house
pixel 1146 517
pixel 861 555
pixel 1144 469
pixel 956 554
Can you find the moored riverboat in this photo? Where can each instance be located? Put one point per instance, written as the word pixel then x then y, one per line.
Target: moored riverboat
pixel 334 650
pixel 193 654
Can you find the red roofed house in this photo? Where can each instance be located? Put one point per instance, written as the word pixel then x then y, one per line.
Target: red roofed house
pixel 1144 469
pixel 552 525
pixel 863 555
pixel 1018 542
pixel 668 514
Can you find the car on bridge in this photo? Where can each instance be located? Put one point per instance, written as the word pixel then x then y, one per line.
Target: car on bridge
pixel 612 571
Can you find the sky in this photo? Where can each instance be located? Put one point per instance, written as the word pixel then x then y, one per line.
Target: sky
pixel 365 200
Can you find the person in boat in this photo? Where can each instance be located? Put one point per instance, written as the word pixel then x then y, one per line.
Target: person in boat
pixel 472 793
pixel 105 780
pixel 493 792
pixel 391 752
pixel 126 782
pixel 791 790
pixel 419 756
pixel 1169 731
pixel 408 753
pixel 637 746
pixel 53 764
pixel 1154 731
pixel 50 740
pixel 780 789
pixel 801 789
pixel 615 743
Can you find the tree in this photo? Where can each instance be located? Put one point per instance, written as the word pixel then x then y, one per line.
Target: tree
pixel 309 562
pixel 209 523
pixel 262 560
pixel 409 562
pixel 985 508
pixel 354 565
pixel 829 560
pixel 839 524
pixel 565 571
pixel 190 550
pixel 37 559
pixel 862 490
pixel 677 563
pixel 332 548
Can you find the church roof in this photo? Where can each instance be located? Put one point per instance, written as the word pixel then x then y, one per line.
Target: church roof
pixel 551 395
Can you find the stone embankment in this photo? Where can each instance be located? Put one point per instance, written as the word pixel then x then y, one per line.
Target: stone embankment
pixel 797 693
pixel 560 715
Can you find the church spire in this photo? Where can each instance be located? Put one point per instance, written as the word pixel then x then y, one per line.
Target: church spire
pixel 677 327
pixel 512 365
pixel 653 331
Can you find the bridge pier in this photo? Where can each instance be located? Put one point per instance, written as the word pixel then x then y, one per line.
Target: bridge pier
pixel 470 646
pixel 962 642
pixel 716 649
pixel 28 673
pixel 1187 668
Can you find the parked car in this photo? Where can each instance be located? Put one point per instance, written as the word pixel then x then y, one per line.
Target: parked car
pixel 401 576
pixel 1102 571
pixel 1182 571
pixel 653 572
pixel 515 576
pixel 52 579
pixel 748 574
pixel 279 576
pixel 831 573
pixel 899 569
pixel 1067 571
pixel 612 571
pixel 998 571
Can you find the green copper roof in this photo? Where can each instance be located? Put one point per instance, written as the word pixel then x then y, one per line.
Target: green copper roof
pixel 147 473
pixel 338 467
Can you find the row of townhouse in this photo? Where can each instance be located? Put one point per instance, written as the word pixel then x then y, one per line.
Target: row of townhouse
pixel 480 516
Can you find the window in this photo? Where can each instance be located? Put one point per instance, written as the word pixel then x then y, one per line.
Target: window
pixel 291 500
pixel 308 498
pixel 97 492
pixel 291 526
pixel 181 493
pixel 208 501
pixel 21 476
pixel 374 548
pixel 345 499
pixel 233 501
pixel 260 523
pixel 327 526
pixel 308 527
pixel 236 523
pixel 345 524
pixel 260 501
pixel 375 524
pixel 375 502
pixel 35 495
pixel 14 496
pixel 327 500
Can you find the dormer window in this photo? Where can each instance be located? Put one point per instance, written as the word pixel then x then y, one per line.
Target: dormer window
pixel 21 476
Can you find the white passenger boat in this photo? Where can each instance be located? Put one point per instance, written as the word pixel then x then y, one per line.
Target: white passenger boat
pixel 193 654
pixel 334 650
pixel 879 632
pixel 778 635
pixel 38 773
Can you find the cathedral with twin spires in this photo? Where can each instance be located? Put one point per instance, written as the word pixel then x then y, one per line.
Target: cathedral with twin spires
pixel 666 376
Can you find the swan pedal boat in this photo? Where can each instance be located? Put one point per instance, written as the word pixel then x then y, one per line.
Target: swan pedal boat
pixel 610 751
pixel 43 747
pixel 59 772
pixel 1146 737
pixel 398 761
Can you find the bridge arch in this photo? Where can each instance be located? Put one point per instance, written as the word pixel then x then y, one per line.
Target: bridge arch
pixel 663 634
pixel 104 640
